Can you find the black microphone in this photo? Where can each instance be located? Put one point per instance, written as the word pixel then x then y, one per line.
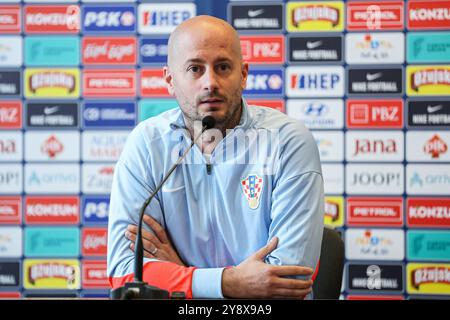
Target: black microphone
pixel 139 289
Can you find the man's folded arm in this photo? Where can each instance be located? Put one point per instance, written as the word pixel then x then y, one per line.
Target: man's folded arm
pixel 131 186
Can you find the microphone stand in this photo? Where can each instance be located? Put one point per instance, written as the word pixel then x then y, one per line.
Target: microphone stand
pixel 138 289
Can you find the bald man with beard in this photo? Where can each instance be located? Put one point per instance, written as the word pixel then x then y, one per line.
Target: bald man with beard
pixel 231 222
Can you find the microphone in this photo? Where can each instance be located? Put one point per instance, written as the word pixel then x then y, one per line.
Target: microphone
pixel 138 289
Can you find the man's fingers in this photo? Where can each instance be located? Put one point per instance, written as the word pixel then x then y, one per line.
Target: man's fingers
pixel 291 270
pixel 145 234
pixel 293 283
pixel 148 245
pixel 268 248
pixel 157 229
pixel 146 253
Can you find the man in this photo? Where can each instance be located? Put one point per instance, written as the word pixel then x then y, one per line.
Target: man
pixel 233 223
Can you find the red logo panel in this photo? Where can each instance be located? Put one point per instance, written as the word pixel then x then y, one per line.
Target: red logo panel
pixel 10 114
pixel 374 211
pixel 428 14
pixel 52 19
pixel 375 15
pixel 109 83
pixel 11 210
pixel 374 113
pixel 94 274
pixel 263 49
pixel 94 241
pixel 10 19
pixel 52 210
pixel 274 104
pixel 153 83
pixel 428 212
pixel 109 50
pixel 7 294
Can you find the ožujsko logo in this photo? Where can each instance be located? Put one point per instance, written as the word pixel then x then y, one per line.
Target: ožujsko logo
pixel 334 211
pixel 428 80
pixel 52 83
pixel 51 274
pixel 428 278
pixel 312 16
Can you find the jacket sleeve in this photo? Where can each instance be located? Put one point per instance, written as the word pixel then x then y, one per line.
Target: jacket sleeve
pixel 132 184
pixel 297 213
pixel 131 187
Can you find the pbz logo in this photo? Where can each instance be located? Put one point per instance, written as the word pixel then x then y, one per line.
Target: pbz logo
pixel 101 19
pixel 95 209
pixel 264 82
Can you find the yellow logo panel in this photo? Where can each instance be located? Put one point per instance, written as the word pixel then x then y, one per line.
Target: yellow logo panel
pixel 52 83
pixel 334 211
pixel 315 16
pixel 428 80
pixel 428 278
pixel 51 274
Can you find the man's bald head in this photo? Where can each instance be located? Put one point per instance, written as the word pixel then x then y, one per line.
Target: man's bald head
pixel 204 29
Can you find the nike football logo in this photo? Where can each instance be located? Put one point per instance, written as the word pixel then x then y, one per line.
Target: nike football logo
pixel 50 110
pixel 255 13
pixel 371 77
pixel 313 45
pixel 431 109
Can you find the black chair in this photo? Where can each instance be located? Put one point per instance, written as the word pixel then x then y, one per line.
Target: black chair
pixel 327 284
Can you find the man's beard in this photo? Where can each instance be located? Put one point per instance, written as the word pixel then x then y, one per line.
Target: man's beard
pixel 233 107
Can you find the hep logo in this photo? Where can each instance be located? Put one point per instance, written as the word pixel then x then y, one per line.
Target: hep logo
pixel 435 147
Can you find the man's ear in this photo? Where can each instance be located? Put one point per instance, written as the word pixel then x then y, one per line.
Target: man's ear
pixel 244 75
pixel 169 80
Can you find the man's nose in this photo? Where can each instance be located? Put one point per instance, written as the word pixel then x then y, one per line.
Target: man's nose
pixel 210 81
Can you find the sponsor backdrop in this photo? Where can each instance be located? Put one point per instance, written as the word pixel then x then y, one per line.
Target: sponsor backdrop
pixel 371 79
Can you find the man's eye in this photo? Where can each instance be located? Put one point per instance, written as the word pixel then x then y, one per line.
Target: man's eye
pixel 194 69
pixel 224 67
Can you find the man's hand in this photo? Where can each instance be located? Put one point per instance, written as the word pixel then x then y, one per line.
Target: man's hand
pixel 156 246
pixel 255 279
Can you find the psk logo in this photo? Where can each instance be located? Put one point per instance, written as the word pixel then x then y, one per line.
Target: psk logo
pixel 252 186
